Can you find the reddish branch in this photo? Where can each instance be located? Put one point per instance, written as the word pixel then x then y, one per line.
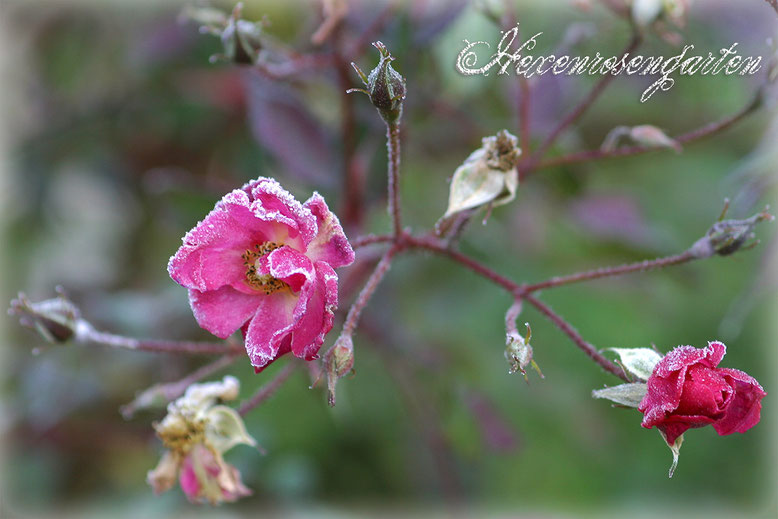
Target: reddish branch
pixel 532 161
pixel 370 239
pixel 88 334
pixel 171 390
pixel 694 135
pixel 611 271
pixel 435 245
pixel 393 149
pixel 579 341
pixel 267 390
pixel 367 291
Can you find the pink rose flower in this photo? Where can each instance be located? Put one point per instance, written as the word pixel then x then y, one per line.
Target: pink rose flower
pixel 263 263
pixel 687 390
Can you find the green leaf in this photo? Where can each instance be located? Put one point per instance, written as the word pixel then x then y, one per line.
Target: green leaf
pixel 638 361
pixel 625 394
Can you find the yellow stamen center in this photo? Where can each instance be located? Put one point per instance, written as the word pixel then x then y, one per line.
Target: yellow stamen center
pixel 264 282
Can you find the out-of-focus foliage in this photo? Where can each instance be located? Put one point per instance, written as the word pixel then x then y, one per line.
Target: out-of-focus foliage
pixel 123 135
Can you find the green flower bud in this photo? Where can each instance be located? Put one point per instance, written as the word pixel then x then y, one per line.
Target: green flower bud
pixel 728 236
pixel 384 86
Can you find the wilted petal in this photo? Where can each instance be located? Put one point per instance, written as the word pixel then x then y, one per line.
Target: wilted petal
pixel 225 429
pixel 163 476
pixel 206 477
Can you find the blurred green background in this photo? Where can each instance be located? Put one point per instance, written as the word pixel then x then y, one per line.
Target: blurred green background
pixel 120 136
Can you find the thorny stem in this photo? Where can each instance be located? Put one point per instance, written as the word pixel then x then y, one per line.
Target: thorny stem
pixel 352 318
pixel 579 341
pixel 86 333
pixel 532 161
pixel 604 272
pixel 511 315
pixel 267 390
pixel 393 148
pixel 171 390
pixel 370 239
pixel 434 245
pixel 691 136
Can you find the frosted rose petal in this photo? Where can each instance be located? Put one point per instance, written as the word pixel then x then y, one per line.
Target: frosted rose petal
pixel 222 311
pixel 330 244
pixel 317 315
pixel 743 412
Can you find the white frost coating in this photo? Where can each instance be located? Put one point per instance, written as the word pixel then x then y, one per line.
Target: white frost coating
pixel 199 397
pixel 279 262
pixel 305 220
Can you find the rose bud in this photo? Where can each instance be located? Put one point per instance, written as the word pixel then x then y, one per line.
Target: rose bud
pixel 54 319
pixel 518 353
pixel 338 362
pixel 687 390
pixel 729 236
pixel 385 86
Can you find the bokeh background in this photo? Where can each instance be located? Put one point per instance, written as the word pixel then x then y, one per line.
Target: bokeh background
pixel 119 135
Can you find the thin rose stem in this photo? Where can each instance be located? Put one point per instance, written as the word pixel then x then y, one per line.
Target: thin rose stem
pixel 267 390
pixel 611 271
pixel 171 390
pixel 577 112
pixel 352 318
pixel 86 333
pixel 511 316
pixel 435 246
pixel 370 239
pixel 393 148
pixel 691 136
pixel 579 341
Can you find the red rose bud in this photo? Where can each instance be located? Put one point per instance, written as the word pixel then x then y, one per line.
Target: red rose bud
pixel 686 390
pixel 385 86
pixel 338 362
